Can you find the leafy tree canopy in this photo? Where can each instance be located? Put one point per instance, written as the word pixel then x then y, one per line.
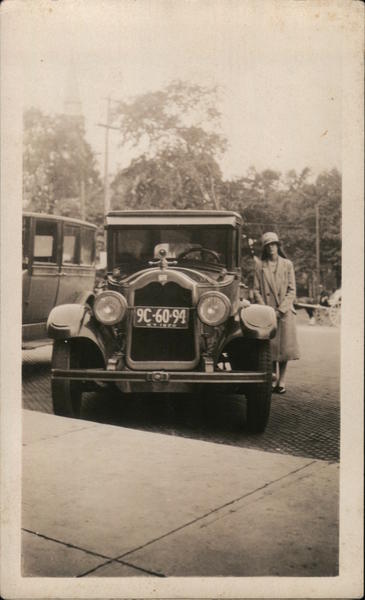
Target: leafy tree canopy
pixel 182 115
pixel 287 204
pixel 174 178
pixel 177 145
pixel 174 135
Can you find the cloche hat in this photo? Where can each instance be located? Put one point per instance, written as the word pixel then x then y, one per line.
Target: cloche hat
pixel 269 237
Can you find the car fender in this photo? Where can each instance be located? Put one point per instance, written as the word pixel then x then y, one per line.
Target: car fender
pixel 258 321
pixel 71 321
pixel 65 321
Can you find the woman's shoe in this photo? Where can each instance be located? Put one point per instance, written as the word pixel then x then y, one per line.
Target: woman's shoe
pixel 278 389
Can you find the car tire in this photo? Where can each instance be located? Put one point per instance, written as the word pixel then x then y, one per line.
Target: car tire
pixel 259 395
pixel 66 394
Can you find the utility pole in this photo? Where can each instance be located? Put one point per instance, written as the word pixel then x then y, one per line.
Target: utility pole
pixel 107 126
pixel 106 161
pixel 318 260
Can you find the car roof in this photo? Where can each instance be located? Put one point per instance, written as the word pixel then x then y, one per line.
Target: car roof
pixel 173 217
pixel 48 217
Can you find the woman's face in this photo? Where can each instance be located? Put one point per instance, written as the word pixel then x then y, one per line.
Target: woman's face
pixel 272 250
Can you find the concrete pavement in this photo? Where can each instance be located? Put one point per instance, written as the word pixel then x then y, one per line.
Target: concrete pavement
pixel 106 501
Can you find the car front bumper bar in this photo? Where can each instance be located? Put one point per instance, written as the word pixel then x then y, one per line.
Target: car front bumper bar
pixel 161 377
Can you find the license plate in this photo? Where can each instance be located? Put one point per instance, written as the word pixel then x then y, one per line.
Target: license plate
pixel 163 317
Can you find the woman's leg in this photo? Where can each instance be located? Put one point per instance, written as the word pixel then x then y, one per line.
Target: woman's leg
pixel 282 372
pixel 275 374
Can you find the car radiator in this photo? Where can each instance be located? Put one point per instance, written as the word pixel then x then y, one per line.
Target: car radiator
pixel 163 344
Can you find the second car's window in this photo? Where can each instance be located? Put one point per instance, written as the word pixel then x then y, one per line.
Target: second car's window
pixel 45 246
pixel 87 246
pixel 70 253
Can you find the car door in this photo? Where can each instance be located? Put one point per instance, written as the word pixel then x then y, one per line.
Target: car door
pixel 87 258
pixel 77 273
pixel 70 259
pixel 42 278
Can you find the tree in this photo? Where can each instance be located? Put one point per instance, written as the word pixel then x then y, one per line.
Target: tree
pixel 59 167
pixel 329 190
pixel 257 196
pixel 297 218
pixel 287 205
pixel 172 179
pixel 172 133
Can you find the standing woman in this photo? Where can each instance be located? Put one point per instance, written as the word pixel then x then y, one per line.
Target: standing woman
pixel 274 285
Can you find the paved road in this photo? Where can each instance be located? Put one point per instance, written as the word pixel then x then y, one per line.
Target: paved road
pixel 304 422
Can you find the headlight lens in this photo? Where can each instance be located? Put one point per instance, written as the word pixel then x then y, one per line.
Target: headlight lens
pixel 213 308
pixel 110 307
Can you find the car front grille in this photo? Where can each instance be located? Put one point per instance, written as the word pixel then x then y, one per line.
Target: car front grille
pixel 165 345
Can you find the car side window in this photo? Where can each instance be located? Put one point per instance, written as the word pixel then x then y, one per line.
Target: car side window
pixel 45 242
pixel 70 254
pixel 87 247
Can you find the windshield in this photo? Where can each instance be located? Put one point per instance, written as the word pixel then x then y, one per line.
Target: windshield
pixel 134 247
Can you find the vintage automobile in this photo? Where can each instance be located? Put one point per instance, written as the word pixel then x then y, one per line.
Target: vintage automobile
pixel 58 267
pixel 168 316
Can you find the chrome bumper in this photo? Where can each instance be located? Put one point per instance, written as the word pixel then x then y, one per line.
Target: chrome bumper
pixel 162 381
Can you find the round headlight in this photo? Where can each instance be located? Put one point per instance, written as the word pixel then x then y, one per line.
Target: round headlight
pixel 213 308
pixel 110 307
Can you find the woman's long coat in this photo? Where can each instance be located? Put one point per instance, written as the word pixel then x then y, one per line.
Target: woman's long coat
pixel 278 290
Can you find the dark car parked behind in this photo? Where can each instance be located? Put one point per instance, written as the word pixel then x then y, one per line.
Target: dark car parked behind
pixel 58 268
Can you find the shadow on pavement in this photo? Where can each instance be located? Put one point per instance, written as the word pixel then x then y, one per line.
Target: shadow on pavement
pixel 299 427
pixel 179 414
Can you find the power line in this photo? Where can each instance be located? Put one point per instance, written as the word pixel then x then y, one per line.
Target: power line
pixel 276 223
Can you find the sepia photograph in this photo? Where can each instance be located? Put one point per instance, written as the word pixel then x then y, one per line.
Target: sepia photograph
pixel 182 345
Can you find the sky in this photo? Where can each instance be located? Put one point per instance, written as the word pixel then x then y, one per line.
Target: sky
pixel 278 66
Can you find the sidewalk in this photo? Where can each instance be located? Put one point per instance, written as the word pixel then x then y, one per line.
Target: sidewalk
pixel 105 501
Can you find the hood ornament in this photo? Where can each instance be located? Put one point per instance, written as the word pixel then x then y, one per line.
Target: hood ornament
pixel 161 260
pixel 164 263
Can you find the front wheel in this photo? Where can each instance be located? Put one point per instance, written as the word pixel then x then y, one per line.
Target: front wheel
pixel 259 395
pixel 66 394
